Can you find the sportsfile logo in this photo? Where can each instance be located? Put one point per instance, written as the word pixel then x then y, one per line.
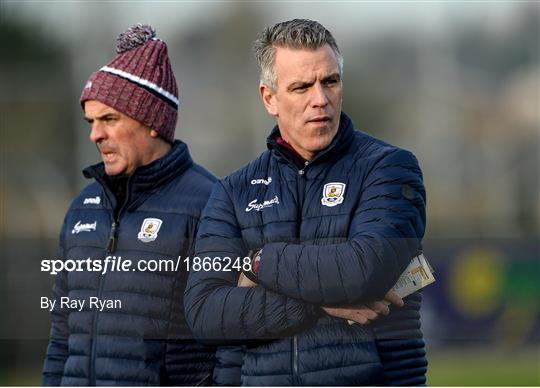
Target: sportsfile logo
pixel 79 227
pixel 253 205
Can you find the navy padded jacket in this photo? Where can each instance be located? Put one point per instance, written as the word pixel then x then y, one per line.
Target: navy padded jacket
pixel 313 255
pixel 146 341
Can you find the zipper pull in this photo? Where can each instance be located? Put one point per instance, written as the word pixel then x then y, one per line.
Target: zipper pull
pixel 111 246
pixel 301 172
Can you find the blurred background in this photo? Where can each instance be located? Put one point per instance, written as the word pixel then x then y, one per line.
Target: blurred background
pixel 457 83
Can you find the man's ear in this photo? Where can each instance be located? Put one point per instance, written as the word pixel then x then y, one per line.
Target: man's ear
pixel 269 100
pixel 154 133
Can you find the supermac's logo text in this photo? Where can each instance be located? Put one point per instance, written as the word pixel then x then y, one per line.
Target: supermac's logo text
pixel 80 227
pixel 258 206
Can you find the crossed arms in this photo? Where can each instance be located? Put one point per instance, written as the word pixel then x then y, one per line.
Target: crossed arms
pixel 296 280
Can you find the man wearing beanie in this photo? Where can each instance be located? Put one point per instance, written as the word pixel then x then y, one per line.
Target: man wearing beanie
pixel 117 315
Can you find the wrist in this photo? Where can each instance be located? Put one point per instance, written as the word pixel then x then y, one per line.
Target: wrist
pixel 253 273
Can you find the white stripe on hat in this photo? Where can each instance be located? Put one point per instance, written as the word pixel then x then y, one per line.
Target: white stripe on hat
pixel 141 81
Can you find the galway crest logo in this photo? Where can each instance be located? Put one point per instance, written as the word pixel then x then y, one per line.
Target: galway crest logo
pixel 149 229
pixel 333 194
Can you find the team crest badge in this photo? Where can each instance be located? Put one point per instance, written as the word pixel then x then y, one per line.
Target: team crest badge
pixel 333 194
pixel 149 229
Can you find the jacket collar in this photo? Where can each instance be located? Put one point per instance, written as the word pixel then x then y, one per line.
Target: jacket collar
pixel 146 179
pixel 336 148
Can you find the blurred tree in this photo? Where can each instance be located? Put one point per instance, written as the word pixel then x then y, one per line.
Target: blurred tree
pixel 499 51
pixel 220 113
pixel 35 141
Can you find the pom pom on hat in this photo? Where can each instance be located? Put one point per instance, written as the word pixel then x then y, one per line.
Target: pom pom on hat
pixel 134 36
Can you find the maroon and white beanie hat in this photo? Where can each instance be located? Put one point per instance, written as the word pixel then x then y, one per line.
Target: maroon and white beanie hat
pixel 139 82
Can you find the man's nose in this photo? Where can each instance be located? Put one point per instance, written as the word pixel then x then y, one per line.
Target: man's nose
pixel 319 98
pixel 97 133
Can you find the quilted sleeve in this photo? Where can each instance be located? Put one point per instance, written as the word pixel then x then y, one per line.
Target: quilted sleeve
pixel 57 350
pixel 229 360
pixel 385 234
pixel 218 311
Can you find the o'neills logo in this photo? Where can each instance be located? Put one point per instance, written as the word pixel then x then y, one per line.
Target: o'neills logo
pixel 262 181
pixel 78 227
pixel 253 205
pixel 92 200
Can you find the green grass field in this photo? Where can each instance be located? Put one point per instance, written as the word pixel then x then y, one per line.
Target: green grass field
pixel 482 367
pixel 467 368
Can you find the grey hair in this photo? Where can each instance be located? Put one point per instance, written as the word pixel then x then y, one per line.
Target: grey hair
pixel 295 34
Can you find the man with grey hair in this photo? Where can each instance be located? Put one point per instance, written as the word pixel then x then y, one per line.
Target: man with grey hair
pixel 331 217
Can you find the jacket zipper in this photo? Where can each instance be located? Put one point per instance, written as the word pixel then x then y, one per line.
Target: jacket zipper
pixel 109 249
pixel 301 195
pixel 296 379
pixel 113 238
